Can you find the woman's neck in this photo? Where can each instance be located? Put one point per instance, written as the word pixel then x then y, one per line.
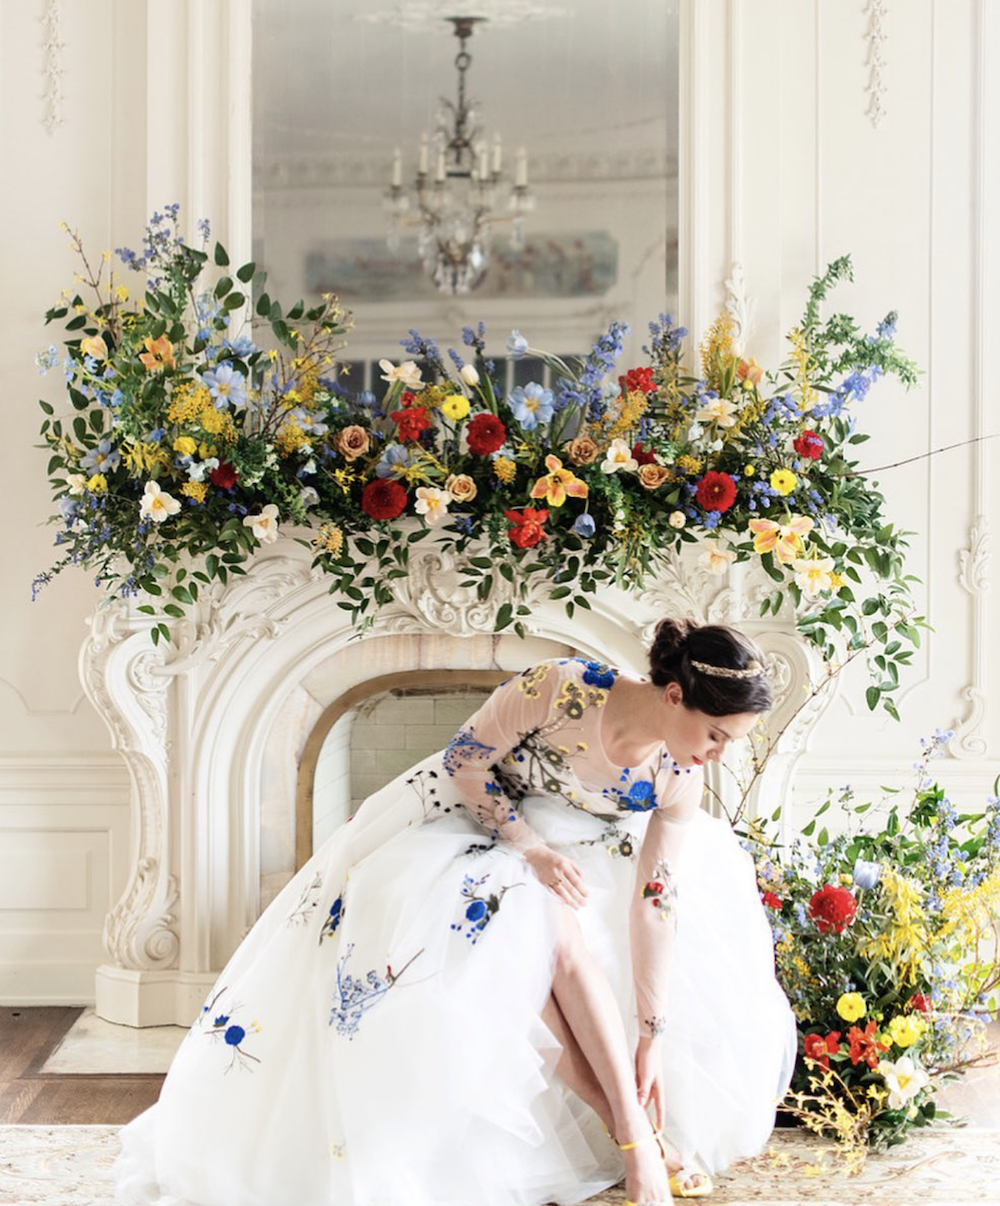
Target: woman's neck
pixel 632 726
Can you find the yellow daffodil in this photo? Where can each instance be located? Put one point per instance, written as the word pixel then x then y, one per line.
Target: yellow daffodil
pixel 407 373
pixel 558 484
pixel 813 574
pixel 906 1029
pixel 784 481
pixel 455 407
pixel 782 539
pixel 720 411
pixel 903 1079
pixel 851 1006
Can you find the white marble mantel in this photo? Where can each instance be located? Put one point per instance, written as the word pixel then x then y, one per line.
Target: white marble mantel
pixel 195 721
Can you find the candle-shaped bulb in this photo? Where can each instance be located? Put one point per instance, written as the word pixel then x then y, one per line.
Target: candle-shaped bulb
pixel 425 153
pixel 397 169
pixel 497 155
pixel 521 169
pixel 440 167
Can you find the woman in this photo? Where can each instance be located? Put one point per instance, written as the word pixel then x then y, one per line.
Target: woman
pixel 529 943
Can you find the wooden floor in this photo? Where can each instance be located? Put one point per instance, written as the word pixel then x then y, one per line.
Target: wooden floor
pixel 27 1039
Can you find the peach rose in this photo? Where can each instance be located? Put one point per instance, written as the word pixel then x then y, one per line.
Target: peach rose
pixel 353 442
pixel 581 451
pixel 461 487
pixel 652 476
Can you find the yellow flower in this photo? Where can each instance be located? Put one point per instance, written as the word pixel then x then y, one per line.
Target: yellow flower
pixel 143 457
pixel 330 538
pixel 290 438
pixel 121 293
pixel 906 1029
pixel 455 407
pixel 207 450
pixel 195 490
pixel 688 464
pixel 505 469
pixel 558 484
pixel 749 470
pixel 159 354
pixel 851 1006
pixel 782 539
pixel 97 484
pixel 185 446
pixel 784 481
pixel 94 346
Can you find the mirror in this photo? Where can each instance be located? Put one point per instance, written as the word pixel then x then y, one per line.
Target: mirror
pixel 586 89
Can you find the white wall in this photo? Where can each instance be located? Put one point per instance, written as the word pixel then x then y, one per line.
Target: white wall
pixel 782 169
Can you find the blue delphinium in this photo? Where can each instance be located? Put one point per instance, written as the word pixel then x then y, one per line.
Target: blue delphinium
pixel 532 404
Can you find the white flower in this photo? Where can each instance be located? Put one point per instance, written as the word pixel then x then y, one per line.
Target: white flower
pixel 156 504
pixel 264 525
pixel 619 456
pixel 308 496
pixel 198 470
pixel 813 574
pixel 469 375
pixel 715 446
pixel 309 467
pixel 903 1079
pixel 432 503
pixel 77 483
pixel 716 560
pixel 407 373
pixel 719 410
pixel 677 519
pixel 695 431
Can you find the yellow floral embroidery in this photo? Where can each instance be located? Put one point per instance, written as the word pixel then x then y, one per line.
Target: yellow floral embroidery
pixel 529 681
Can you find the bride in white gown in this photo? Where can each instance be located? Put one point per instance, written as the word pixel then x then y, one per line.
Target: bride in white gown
pixel 528 943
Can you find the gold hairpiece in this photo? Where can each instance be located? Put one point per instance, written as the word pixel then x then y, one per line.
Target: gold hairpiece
pixel 753 669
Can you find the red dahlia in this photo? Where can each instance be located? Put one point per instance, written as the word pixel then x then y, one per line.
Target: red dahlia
pixel 641 456
pixel 527 529
pixel 772 901
pixel 223 475
pixel 485 434
pixel 383 499
pixel 716 491
pixel 411 421
pixel 832 908
pixel 640 379
pixel 809 444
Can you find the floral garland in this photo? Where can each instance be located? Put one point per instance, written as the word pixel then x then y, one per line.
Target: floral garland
pixel 191 444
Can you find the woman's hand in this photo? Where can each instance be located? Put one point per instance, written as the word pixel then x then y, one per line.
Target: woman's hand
pixel 558 873
pixel 649 1077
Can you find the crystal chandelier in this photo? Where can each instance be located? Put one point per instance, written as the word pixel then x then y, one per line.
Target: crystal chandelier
pixel 454 203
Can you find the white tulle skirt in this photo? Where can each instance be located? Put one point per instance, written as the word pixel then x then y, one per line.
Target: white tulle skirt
pixel 377 1038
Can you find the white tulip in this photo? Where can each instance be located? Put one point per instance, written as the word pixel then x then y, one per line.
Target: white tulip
pixel 469 375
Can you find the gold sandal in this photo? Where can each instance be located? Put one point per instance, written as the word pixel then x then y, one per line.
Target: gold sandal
pixel 627 1147
pixel 674 1179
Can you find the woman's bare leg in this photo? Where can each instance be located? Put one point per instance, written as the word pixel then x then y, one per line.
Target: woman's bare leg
pixel 572 1068
pixel 591 1013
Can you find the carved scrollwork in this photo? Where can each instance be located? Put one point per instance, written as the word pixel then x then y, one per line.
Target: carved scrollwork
pixel 876 86
pixel 739 307
pixel 974 561
pixel 140 931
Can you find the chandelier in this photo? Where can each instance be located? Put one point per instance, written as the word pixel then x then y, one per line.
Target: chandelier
pixel 454 203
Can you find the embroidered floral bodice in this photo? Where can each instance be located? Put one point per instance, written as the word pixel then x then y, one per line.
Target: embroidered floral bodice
pixel 540 733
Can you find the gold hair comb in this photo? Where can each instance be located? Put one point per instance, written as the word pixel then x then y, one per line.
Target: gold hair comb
pixel 753 669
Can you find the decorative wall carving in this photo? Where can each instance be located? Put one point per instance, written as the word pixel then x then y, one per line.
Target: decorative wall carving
pixel 739 307
pixel 876 86
pixel 52 66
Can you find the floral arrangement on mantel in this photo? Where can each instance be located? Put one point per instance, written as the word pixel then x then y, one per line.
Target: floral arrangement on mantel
pixel 886 943
pixel 191 443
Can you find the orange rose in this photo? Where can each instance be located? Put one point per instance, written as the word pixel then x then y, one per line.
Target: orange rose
pixel 353 442
pixel 461 487
pixel 652 476
pixel 581 451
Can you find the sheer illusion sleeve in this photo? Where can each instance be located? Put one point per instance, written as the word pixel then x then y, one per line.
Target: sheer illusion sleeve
pixel 518 707
pixel 653 916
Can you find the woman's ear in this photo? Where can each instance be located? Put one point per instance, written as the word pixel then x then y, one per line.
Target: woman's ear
pixel 673 695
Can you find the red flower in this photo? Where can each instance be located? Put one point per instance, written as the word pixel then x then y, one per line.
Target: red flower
pixel 383 499
pixel 224 475
pixel 919 1001
pixel 809 444
pixel 864 1045
pixel 406 397
pixel 412 422
pixel 527 527
pixel 772 901
pixel 820 1049
pixel 643 457
pixel 640 379
pixel 653 888
pixel 716 491
pixel 485 433
pixel 832 908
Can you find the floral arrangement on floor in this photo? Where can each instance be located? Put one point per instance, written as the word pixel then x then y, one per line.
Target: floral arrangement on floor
pixel 886 943
pixel 191 444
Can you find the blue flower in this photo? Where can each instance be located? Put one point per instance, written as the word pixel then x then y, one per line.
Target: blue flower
pixel 476 911
pixel 235 1035
pixel 336 913
pixel 102 459
pixel 47 359
pixel 866 874
pixel 641 797
pixel 584 525
pixel 531 404
pixel 395 459
pixel 227 386
pixel 517 345
pixel 221 1020
pixel 597 674
pixel 70 508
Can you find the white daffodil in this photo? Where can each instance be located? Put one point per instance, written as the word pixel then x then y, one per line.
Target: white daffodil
pixel 903 1079
pixel 716 560
pixel 157 504
pixel 813 574
pixel 432 503
pixel 469 375
pixel 720 411
pixel 265 525
pixel 407 373
pixel 197 471
pixel 77 483
pixel 619 457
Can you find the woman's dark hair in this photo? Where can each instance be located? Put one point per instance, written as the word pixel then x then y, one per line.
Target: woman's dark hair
pixel 720 671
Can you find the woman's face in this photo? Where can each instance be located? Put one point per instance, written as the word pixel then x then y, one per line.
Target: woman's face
pixel 694 738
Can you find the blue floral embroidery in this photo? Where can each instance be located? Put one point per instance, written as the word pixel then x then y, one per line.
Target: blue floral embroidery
pixel 232 1033
pixel 464 748
pixel 641 796
pixel 357 996
pixel 333 919
pixel 480 910
pixel 597 674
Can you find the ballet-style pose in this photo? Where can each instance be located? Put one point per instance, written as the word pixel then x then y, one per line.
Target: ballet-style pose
pixel 526 966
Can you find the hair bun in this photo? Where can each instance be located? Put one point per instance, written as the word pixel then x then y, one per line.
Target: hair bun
pixel 669 641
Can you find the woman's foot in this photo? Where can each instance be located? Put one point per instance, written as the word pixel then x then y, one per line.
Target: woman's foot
pixel 687 1182
pixel 645 1170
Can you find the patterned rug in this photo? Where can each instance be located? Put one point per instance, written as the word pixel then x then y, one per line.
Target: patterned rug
pixel 71 1166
